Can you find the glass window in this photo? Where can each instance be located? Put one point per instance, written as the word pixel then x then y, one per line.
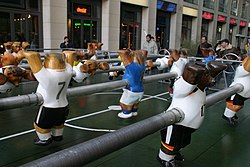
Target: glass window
pixel 19 27
pixel 208 4
pixel 13 3
pixel 234 7
pixel 223 5
pixel 33 4
pixel 230 35
pixel 94 31
pixel 33 31
pixel 218 31
pixel 204 27
pixel 244 11
pixel 4 30
pixel 186 28
pixel 191 1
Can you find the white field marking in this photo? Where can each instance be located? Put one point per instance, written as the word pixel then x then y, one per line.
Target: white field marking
pixel 84 116
pixel 89 129
pixel 88 115
pixel 17 134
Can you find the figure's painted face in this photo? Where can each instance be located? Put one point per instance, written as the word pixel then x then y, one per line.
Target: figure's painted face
pixel 213 69
pixel 14 75
pixel 55 61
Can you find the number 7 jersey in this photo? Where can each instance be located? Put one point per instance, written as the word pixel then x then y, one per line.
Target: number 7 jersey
pixel 53 84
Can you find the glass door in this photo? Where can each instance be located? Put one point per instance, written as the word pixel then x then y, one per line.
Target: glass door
pixel 84 32
pixel 130 36
pixel 76 33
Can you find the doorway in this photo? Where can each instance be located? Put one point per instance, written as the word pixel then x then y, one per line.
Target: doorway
pixel 130 35
pixel 83 32
pixel 163 29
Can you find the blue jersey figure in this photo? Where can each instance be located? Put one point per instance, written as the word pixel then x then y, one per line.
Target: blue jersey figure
pixel 134 71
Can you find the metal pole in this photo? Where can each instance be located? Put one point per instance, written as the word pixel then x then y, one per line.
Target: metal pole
pixel 223 94
pixel 86 152
pixel 83 153
pixel 36 98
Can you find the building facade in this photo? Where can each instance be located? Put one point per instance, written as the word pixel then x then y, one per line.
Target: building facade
pixel 123 23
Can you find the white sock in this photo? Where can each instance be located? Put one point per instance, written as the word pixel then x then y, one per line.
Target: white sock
pixel 165 156
pixel 229 113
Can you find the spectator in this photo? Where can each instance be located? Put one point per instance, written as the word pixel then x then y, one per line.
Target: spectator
pixel 226 48
pixel 66 43
pixel 150 45
pixel 204 44
pixel 217 47
pixel 247 48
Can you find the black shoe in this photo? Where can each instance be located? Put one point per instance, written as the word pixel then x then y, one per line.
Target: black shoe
pixel 57 138
pixel 111 77
pixel 39 142
pixel 235 117
pixel 179 157
pixel 231 121
pixel 164 163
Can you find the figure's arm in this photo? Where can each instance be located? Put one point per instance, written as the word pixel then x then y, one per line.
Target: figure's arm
pixel 126 56
pixel 3 79
pixel 246 63
pixel 71 57
pixel 34 60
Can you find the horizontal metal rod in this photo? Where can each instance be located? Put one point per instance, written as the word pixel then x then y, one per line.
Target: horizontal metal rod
pixel 223 94
pixel 86 152
pixel 36 98
pixel 83 153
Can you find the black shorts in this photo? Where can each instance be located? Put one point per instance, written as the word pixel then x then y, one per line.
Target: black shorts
pixel 48 117
pixel 237 100
pixel 179 137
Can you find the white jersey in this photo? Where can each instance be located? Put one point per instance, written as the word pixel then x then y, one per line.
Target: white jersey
pixel 163 63
pixel 178 66
pixel 243 77
pixel 191 103
pixel 80 76
pixel 53 84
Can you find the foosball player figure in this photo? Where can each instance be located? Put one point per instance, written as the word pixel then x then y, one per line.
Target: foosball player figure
pixel 134 72
pixel 236 102
pixel 189 95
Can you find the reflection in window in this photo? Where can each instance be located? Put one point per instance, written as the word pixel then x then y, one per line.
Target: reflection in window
pixel 4 30
pixel 33 31
pixel 191 1
pixel 186 28
pixel 208 4
pixel 20 28
pixel 223 5
pixel 245 6
pixel 204 27
pixel 234 7
pixel 218 31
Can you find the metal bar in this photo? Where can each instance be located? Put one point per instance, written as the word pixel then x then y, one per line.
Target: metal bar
pixel 86 152
pixel 36 98
pixel 223 94
pixel 83 153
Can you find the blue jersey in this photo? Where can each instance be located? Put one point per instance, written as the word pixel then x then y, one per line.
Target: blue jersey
pixel 134 74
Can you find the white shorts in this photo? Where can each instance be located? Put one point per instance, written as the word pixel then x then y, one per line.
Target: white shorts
pixel 130 98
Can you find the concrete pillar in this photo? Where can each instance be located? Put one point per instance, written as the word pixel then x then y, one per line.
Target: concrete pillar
pixel 110 24
pixel 54 22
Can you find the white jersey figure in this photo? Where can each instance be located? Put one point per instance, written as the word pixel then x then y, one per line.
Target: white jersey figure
pixel 53 78
pixel 189 95
pixel 236 102
pixel 83 68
